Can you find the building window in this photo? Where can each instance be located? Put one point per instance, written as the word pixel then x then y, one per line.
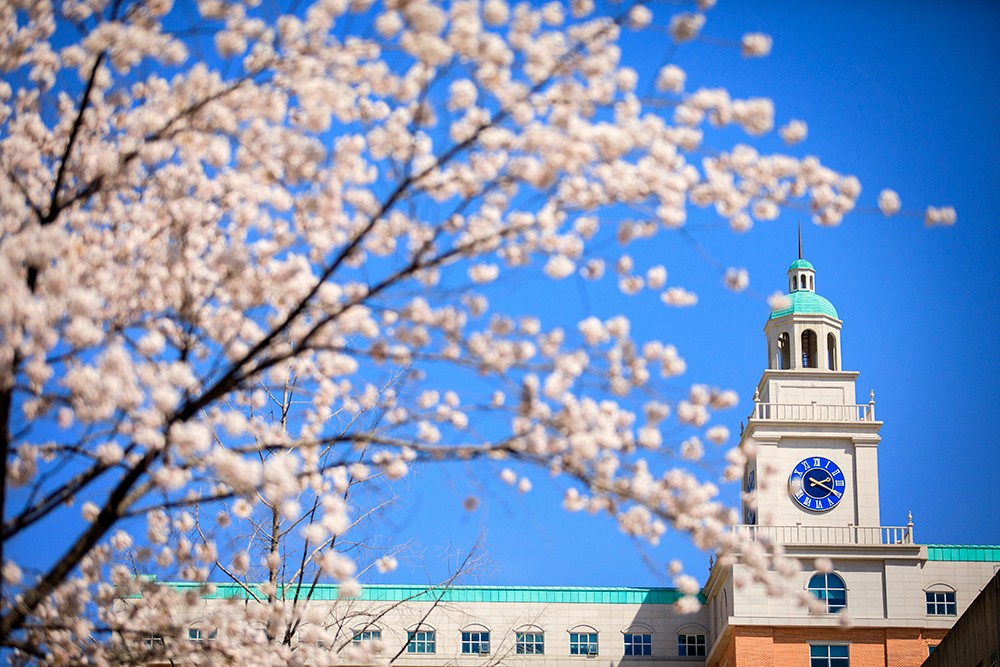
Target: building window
pixel 529 643
pixel 941 603
pixel 152 640
pixel 198 635
pixel 476 642
pixel 583 643
pixel 367 636
pixel 931 648
pixel 830 589
pixel 691 645
pixel 421 641
pixel 831 351
pixel 829 655
pixel 638 644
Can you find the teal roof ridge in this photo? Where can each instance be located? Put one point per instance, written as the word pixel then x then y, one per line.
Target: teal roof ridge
pixel 980 553
pixel 457 593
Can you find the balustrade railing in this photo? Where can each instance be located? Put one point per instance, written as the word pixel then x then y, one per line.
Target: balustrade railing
pixel 829 535
pixel 864 412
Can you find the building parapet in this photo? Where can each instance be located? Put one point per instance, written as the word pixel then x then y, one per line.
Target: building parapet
pixel 445 593
pixel 813 412
pixel 829 535
pixel 979 553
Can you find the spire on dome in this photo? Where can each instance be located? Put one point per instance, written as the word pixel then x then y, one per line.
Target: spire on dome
pixel 800 240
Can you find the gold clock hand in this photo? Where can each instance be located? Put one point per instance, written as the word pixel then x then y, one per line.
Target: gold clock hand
pixel 813 482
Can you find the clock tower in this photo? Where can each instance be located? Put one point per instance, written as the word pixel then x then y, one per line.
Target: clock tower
pixel 852 591
pixel 813 447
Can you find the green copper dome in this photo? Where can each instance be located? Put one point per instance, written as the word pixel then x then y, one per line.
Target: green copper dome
pixel 801 264
pixel 805 302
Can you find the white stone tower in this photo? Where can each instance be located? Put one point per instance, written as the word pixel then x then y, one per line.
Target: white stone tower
pixel 814 462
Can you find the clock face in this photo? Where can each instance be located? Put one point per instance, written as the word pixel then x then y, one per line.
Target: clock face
pixel 817 484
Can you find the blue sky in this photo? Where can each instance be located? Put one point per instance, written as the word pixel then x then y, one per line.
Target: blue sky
pixel 903 95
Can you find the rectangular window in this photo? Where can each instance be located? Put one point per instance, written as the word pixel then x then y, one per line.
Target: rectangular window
pixel 194 634
pixel 829 655
pixel 941 603
pixel 691 645
pixel 152 640
pixel 583 643
pixel 638 644
pixel 529 643
pixel 367 636
pixel 476 642
pixel 422 641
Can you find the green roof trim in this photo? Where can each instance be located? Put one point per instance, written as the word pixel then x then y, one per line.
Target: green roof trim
pixel 978 553
pixel 414 593
pixel 805 302
pixel 801 264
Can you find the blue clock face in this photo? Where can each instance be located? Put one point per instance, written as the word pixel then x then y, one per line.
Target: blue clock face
pixel 817 484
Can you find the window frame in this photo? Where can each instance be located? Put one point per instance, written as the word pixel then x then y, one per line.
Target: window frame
pixel 584 641
pixel 481 642
pixel 367 635
pixel 644 644
pixel 529 639
pixel 830 660
pixel 822 593
pixel 685 645
pixel 428 641
pixel 933 606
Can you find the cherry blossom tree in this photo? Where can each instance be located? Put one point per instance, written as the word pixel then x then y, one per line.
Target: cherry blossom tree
pixel 246 251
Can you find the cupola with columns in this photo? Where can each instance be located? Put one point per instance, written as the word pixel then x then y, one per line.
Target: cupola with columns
pixel 803 333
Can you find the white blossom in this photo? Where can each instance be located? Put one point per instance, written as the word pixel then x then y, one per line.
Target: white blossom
pixel 671 78
pixel 678 296
pixel 559 267
pixel 793 131
pixel 386 564
pixel 889 202
pixel 943 216
pixel 755 45
pixel 685 27
pixel 737 279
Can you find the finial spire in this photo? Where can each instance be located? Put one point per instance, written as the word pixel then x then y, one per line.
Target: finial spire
pixel 800 240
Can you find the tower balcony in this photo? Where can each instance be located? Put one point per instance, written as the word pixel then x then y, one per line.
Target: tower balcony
pixel 875 536
pixel 813 412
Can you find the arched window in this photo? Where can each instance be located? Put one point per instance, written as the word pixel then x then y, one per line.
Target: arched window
pixel 529 640
pixel 831 351
pixel 638 639
pixel 808 349
pixel 784 353
pixel 802 281
pixel 829 589
pixel 421 638
pixel 691 640
pixel 583 640
pixel 811 283
pixel 941 600
pixel 476 639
